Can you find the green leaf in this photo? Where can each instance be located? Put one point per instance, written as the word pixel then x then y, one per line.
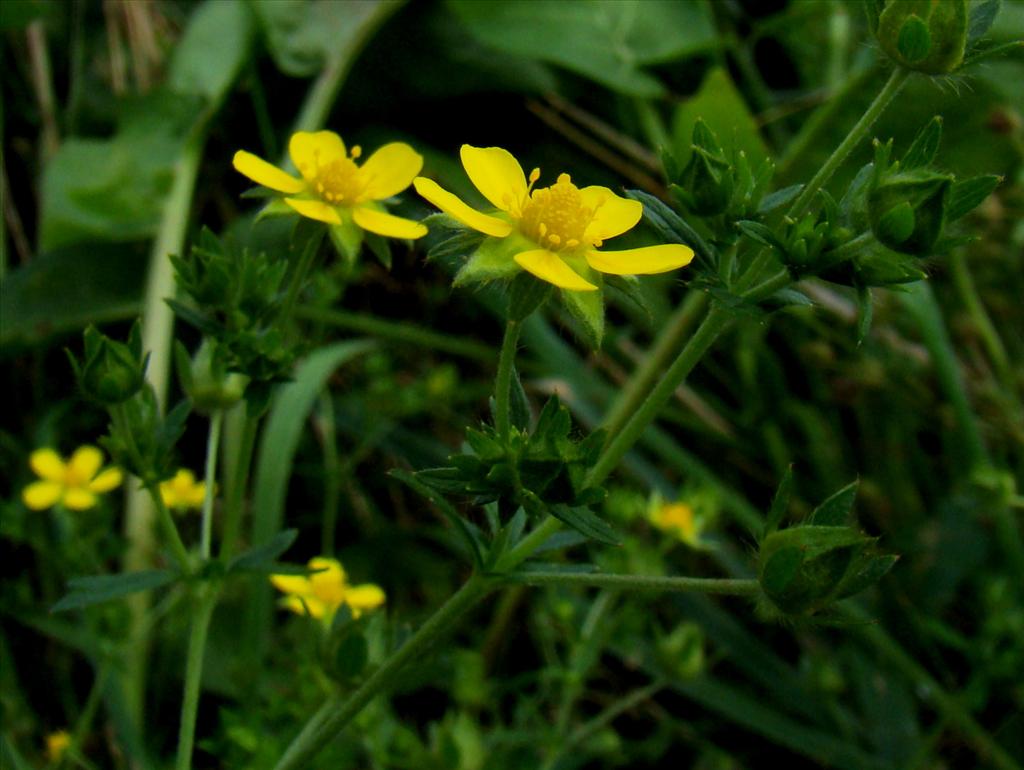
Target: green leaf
pixel 586 522
pixel 86 591
pixel 779 198
pixel 814 540
pixel 967 194
pixel 282 430
pixel 467 532
pixel 722 107
pixel 607 42
pixel 216 45
pixel 925 146
pixel 761 234
pixel 836 510
pixel 780 503
pixel 302 36
pixel 866 575
pixel 258 559
pixel 66 289
pixel 982 17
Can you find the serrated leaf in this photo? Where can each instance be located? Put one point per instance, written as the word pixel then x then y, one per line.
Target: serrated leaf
pixel 967 194
pixel 258 558
pixel 780 503
pixel 924 147
pixel 836 510
pixel 86 591
pixel 586 522
pixel 466 530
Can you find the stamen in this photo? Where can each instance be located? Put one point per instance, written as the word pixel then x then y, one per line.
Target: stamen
pixel 554 239
pixel 572 243
pixel 356 151
pixel 542 229
pixel 564 179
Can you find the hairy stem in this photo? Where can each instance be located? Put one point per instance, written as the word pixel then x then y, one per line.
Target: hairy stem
pixel 730 586
pixel 202 613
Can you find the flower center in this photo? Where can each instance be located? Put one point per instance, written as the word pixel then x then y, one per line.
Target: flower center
pixel 677 516
pixel 74 479
pixel 338 181
pixel 555 217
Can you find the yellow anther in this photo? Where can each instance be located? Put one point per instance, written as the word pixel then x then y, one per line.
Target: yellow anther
pixel 542 229
pixel 534 176
pixel 572 243
pixel 564 179
pixel 554 239
pixel 356 151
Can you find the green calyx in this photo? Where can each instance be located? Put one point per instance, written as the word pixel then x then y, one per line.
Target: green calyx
pixel 908 210
pixel 112 372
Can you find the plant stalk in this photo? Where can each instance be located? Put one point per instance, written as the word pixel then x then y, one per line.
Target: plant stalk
pixel 201 616
pixel 728 586
pixel 503 382
pixel 210 479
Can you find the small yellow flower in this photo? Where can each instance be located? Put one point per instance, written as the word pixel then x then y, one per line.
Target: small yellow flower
pixel 56 744
pixel 183 491
pixel 559 228
pixel 334 188
pixel 676 519
pixel 75 483
pixel 323 592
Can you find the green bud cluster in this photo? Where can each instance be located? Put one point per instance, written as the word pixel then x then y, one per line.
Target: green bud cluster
pixel 111 372
pixel 237 299
pixel 806 568
pixel 541 471
pixel 712 184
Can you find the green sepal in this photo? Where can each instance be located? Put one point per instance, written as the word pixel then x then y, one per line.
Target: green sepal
pixel 587 308
pixel 276 207
pixel 493 260
pixel 837 509
pixel 967 194
pixel 526 293
pixel 908 209
pixel 780 503
pixel 111 372
pixel 347 238
pixel 925 146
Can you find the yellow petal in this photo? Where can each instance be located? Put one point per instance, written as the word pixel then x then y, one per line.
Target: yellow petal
pixel 365 596
pixel 40 495
pixel 551 268
pixel 196 495
pixel 78 499
pixel 389 171
pixel 317 210
pixel 613 215
pixel 453 206
pixel 304 605
pixel 84 463
pixel 310 150
pixel 387 224
pixel 496 174
pixel 47 464
pixel 643 261
pixel 109 478
pixel 328 585
pixel 291 584
pixel 261 172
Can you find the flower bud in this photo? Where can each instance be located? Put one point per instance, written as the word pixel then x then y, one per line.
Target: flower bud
pixel 924 35
pixel 207 381
pixel 113 371
pixel 908 210
pixel 706 184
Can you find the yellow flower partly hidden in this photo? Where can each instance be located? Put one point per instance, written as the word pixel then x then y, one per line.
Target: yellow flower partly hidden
pixel 322 593
pixel 677 519
pixel 75 484
pixel 552 232
pixel 334 189
pixel 56 744
pixel 183 491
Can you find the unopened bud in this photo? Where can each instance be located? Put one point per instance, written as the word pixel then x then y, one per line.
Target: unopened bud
pixel 924 35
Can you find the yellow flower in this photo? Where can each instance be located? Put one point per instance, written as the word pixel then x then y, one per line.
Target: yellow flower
pixel 676 519
pixel 322 593
pixel 559 228
pixel 183 491
pixel 75 483
pixel 56 744
pixel 336 190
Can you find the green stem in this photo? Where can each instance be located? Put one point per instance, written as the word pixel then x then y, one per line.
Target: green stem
pixel 236 492
pixel 713 325
pixel 202 614
pixel 604 719
pixel 403 333
pixel 857 133
pixel 334 715
pixel 945 704
pixel 669 341
pixel 503 382
pixel 730 586
pixel 982 323
pixel 210 479
pixel 170 529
